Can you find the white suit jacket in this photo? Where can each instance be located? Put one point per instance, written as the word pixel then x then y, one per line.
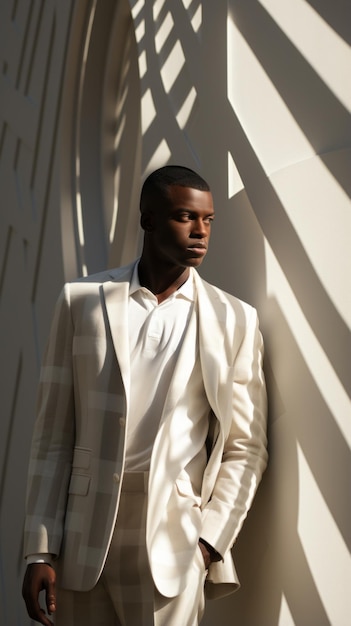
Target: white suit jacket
pixel 77 454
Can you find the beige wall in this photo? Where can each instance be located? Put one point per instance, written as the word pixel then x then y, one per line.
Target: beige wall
pixel 256 96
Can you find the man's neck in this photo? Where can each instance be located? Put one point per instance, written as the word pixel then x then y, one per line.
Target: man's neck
pixel 161 283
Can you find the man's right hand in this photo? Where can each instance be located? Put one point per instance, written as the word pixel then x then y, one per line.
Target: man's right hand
pixel 38 577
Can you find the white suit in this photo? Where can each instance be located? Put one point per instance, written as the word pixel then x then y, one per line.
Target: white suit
pixel 77 460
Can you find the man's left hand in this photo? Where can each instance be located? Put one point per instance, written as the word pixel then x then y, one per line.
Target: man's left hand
pixel 206 555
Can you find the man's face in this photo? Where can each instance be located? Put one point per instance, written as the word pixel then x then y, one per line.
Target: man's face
pixel 182 227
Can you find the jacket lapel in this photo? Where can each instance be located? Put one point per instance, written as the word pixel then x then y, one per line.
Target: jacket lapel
pixel 116 301
pixel 208 322
pixel 212 332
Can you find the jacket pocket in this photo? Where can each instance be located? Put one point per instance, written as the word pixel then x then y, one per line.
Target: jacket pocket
pixel 185 488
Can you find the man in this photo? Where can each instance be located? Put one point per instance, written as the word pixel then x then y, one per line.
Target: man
pixel 150 438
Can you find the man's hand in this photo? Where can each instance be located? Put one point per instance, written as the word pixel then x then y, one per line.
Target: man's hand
pixel 206 554
pixel 209 554
pixel 39 576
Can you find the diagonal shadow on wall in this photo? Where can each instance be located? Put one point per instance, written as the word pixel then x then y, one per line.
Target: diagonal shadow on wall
pixel 325 122
pixel 317 306
pixel 168 104
pixel 337 14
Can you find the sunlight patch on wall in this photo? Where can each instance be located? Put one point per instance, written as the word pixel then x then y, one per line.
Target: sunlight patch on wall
pixel 285 617
pixel 121 126
pixel 321 46
pixel 196 20
pixel 157 8
pixel 314 356
pixel 172 66
pixel 79 218
pixel 279 141
pixel 148 111
pixel 163 32
pixel 235 184
pixel 319 210
pixel 121 101
pixel 140 31
pixel 117 179
pixel 185 111
pixel 80 229
pixel 138 6
pixel 160 156
pixel 327 555
pixel 142 64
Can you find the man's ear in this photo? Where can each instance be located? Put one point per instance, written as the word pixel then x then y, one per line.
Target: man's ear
pixel 146 222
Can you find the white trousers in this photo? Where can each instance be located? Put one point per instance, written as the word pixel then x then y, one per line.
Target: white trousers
pixel 125 595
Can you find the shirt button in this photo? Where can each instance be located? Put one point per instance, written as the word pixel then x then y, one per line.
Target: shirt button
pixel 116 478
pixel 122 422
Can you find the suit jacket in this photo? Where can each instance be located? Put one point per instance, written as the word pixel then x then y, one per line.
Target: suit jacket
pixel 77 455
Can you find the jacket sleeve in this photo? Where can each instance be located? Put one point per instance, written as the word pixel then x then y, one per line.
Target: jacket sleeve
pixel 244 444
pixel 53 439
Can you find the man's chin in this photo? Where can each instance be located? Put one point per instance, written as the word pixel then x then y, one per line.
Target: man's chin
pixel 194 262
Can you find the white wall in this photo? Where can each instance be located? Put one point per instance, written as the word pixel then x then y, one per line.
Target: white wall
pixel 256 96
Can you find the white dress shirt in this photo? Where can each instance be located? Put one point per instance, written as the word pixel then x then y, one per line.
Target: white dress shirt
pixel 156 333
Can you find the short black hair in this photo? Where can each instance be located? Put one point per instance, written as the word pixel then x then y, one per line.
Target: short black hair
pixel 170 175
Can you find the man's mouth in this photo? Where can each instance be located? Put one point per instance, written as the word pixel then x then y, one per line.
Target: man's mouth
pixel 198 245
pixel 199 248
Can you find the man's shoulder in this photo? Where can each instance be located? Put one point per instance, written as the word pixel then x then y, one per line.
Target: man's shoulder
pixel 116 274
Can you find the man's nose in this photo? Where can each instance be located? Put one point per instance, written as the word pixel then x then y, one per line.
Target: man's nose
pixel 199 229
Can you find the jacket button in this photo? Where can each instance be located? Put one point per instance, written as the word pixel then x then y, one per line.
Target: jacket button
pixel 116 478
pixel 122 422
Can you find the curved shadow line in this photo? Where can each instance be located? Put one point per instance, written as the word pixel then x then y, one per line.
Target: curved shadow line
pixel 325 122
pixel 317 306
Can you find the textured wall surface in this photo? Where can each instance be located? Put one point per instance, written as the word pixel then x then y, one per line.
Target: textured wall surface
pixel 33 38
pixel 256 96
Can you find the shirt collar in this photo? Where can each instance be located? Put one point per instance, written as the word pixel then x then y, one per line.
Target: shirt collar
pixel 186 290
